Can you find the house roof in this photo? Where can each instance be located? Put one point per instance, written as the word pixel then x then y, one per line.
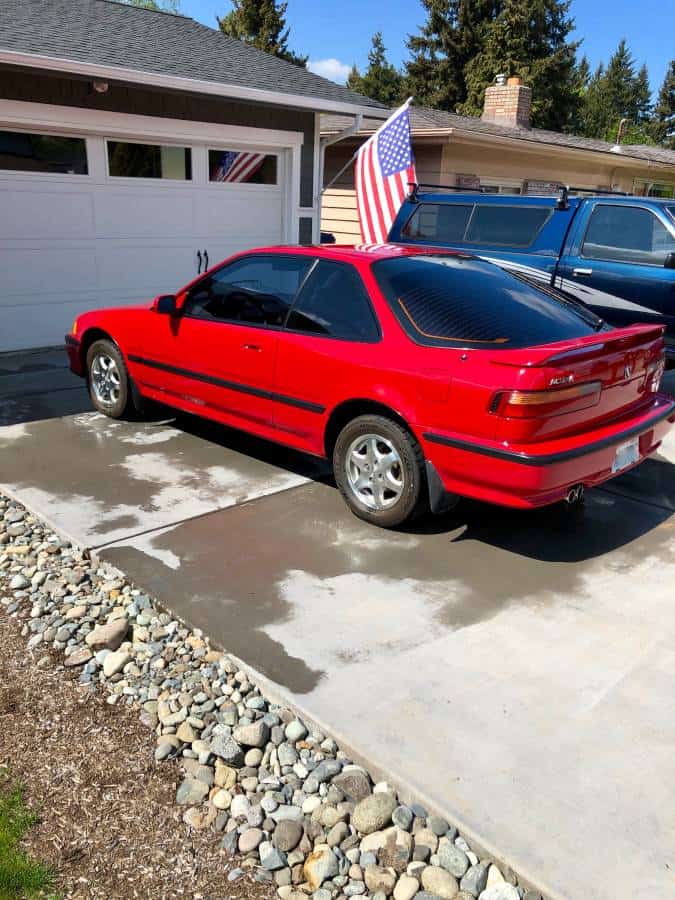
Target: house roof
pixel 91 37
pixel 436 121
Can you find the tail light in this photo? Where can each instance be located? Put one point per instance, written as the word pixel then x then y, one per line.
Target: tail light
pixel 655 372
pixel 540 404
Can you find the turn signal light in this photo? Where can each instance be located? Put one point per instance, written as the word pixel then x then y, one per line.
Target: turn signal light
pixel 540 404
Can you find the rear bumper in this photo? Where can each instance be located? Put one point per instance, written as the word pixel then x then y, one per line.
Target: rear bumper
pixel 540 474
pixel 73 350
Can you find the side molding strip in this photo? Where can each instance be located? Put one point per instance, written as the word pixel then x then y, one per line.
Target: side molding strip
pixel 229 385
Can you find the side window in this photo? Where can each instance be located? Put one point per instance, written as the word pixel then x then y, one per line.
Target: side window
pixel 333 302
pixel 507 226
pixel 257 290
pixel 445 222
pixel 628 234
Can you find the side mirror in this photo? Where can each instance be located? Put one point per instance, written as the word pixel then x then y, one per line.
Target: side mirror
pixel 669 261
pixel 166 304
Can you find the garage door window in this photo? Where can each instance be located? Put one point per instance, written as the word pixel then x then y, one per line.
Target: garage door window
pixel 128 160
pixel 242 167
pixel 24 152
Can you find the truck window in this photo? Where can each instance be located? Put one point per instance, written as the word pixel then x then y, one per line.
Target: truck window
pixel 459 301
pixel 482 224
pixel 445 222
pixel 508 226
pixel 629 234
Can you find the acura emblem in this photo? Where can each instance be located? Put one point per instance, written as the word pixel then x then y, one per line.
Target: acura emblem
pixel 627 371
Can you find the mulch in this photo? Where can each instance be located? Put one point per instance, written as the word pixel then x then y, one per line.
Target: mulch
pixel 108 826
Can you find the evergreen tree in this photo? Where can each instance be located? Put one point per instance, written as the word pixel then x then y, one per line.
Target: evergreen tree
pixel 261 23
pixel 662 123
pixel 617 92
pixel 453 34
pixel 382 81
pixel 529 38
pixel 158 5
pixel 580 81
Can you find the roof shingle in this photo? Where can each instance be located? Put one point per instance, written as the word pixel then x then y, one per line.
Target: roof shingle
pixel 108 33
pixel 432 120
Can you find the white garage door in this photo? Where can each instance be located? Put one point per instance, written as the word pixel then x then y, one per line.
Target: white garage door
pixel 94 220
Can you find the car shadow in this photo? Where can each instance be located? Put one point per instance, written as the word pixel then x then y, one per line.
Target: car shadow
pixel 606 522
pixel 630 507
pixel 312 467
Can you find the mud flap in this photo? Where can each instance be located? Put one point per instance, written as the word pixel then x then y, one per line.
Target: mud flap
pixel 440 500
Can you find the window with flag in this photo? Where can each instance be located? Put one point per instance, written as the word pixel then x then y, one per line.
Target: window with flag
pixel 242 167
pixel 383 170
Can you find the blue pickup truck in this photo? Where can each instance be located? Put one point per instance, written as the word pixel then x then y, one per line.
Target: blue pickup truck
pixel 614 253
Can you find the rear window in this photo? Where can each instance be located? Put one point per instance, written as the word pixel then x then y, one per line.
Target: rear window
pixel 446 301
pixel 480 224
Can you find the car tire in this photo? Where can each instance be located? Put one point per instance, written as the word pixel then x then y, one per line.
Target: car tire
pixel 379 469
pixel 108 380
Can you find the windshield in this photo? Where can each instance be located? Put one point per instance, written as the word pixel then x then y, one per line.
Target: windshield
pixel 445 301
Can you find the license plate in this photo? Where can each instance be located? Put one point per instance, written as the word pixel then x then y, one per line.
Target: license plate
pixel 626 455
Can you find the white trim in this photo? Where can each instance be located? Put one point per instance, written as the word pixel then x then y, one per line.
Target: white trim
pixel 180 83
pixel 317 180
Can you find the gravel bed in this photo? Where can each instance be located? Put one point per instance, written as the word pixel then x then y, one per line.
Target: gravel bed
pixel 287 807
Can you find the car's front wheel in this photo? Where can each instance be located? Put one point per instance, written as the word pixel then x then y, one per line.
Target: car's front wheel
pixel 108 380
pixel 379 469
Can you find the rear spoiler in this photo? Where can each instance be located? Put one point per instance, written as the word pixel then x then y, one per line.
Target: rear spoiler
pixel 567 352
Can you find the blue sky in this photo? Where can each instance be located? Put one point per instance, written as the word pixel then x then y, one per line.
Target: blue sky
pixel 336 34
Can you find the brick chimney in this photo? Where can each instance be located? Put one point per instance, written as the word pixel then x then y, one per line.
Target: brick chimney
pixel 508 102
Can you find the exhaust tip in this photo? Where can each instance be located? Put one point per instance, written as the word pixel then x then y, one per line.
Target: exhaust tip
pixel 575 495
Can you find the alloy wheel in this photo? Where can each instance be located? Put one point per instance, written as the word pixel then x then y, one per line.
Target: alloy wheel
pixel 374 471
pixel 105 379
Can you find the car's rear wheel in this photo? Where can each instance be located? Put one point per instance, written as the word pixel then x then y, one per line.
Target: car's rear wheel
pixel 379 469
pixel 108 380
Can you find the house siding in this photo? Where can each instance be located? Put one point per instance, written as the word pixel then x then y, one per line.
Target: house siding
pixel 62 90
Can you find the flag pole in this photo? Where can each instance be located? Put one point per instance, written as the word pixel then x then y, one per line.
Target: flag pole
pixel 356 152
pixel 342 170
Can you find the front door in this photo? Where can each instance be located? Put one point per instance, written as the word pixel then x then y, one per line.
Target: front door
pixel 220 353
pixel 619 269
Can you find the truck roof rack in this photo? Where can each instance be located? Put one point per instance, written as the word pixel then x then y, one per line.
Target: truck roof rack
pixel 563 193
pixel 416 185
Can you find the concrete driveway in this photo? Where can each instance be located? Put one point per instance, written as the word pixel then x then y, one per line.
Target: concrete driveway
pixel 516 669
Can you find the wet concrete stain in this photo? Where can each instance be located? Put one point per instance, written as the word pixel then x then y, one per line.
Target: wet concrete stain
pixel 250 572
pixel 242 570
pixel 108 478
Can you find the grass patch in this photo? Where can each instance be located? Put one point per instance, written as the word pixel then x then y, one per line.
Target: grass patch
pixel 20 875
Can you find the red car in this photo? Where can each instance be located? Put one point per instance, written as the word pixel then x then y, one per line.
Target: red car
pixel 423 375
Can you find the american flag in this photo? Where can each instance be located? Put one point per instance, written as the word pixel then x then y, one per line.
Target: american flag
pixel 237 166
pixel 383 168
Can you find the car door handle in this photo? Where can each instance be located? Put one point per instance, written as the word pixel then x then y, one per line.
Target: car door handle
pixel 253 347
pixel 582 272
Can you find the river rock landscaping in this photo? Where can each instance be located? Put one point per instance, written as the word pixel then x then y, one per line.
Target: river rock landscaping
pixel 288 813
